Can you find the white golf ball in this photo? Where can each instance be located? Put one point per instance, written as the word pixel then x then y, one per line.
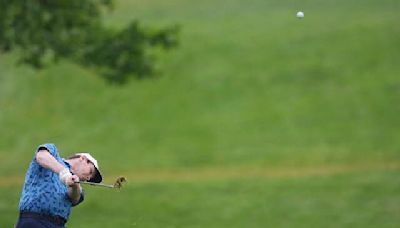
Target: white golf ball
pixel 300 14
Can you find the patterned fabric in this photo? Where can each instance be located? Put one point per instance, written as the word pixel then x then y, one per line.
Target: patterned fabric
pixel 43 191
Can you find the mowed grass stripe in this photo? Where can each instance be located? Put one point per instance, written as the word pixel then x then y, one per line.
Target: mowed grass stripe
pixel 255 172
pixel 235 173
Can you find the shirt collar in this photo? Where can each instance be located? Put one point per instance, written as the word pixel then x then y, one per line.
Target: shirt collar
pixel 67 164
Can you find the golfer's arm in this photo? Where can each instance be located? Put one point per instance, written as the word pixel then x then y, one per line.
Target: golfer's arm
pixel 74 193
pixel 46 160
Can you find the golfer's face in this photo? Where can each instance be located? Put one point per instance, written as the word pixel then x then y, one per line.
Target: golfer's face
pixel 85 169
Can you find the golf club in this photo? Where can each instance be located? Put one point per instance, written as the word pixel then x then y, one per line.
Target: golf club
pixel 117 184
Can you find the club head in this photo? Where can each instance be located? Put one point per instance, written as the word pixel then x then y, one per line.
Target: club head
pixel 119 181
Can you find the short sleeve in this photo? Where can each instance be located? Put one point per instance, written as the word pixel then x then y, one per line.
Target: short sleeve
pixel 80 199
pixel 49 147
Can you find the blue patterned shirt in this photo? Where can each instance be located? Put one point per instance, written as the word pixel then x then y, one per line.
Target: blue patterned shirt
pixel 43 191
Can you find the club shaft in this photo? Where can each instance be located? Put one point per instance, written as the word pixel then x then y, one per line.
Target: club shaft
pixel 97 184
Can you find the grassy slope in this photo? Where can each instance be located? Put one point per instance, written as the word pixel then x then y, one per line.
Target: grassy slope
pixel 311 202
pixel 250 85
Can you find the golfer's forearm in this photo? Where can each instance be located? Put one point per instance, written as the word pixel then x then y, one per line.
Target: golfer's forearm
pixel 46 160
pixel 74 193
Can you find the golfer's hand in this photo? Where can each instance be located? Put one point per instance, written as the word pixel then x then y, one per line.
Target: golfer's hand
pixel 72 181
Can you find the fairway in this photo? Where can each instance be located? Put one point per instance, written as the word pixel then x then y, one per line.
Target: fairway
pixel 257 119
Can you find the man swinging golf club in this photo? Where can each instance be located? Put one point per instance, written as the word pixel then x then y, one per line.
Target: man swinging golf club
pixel 52 187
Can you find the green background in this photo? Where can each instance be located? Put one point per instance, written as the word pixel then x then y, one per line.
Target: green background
pixel 258 119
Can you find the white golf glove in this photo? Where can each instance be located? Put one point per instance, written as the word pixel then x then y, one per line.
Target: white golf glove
pixel 64 175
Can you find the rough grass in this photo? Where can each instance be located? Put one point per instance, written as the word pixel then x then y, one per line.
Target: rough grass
pixel 250 88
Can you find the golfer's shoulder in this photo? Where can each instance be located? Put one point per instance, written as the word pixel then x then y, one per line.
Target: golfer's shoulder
pixel 50 147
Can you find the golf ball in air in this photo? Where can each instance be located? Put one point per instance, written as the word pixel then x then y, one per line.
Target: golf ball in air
pixel 300 14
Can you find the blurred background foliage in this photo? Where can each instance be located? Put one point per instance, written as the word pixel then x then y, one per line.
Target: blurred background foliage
pixel 45 30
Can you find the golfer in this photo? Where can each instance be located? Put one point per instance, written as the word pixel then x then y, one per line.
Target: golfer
pixel 52 187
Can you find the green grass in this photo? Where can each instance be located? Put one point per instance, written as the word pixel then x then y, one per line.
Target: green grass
pixel 355 200
pixel 250 86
